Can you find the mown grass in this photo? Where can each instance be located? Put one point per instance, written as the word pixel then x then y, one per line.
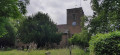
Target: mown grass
pixel 65 51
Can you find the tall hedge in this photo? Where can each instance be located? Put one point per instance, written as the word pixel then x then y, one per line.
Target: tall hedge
pixel 105 44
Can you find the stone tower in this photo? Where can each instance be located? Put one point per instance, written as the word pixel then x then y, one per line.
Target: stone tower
pixel 73 19
pixel 73 25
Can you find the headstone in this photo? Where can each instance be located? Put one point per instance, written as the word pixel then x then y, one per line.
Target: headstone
pixel 47 53
pixel 22 47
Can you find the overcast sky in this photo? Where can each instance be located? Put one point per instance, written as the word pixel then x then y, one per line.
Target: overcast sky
pixel 56 9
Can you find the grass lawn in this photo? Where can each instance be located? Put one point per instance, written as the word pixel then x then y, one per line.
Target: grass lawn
pixel 65 51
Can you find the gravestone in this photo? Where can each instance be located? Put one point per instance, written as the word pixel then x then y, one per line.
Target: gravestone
pixel 47 53
pixel 22 47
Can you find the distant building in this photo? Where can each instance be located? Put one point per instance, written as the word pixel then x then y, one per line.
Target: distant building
pixel 73 25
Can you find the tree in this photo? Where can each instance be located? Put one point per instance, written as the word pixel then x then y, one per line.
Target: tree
pixel 10 12
pixel 106 19
pixel 106 16
pixel 8 39
pixel 105 44
pixel 40 29
pixel 10 9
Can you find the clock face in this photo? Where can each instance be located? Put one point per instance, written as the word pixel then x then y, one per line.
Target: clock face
pixel 74 23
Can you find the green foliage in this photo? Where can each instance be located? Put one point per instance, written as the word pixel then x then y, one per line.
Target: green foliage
pixel 106 16
pixel 105 44
pixel 80 39
pixel 22 6
pixel 40 29
pixel 84 20
pixel 9 38
pixel 10 9
pixel 106 19
pixel 3 31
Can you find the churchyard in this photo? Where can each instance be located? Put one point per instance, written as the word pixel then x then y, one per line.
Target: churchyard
pixel 63 51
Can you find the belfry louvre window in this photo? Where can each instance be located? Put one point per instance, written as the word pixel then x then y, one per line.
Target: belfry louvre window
pixel 74 17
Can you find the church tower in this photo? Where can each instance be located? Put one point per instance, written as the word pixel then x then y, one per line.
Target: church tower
pixel 73 25
pixel 73 19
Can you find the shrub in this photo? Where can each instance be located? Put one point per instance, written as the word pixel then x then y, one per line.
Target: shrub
pixel 105 44
pixel 80 39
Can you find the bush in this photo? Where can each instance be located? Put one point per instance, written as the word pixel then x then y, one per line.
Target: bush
pixel 80 39
pixel 105 44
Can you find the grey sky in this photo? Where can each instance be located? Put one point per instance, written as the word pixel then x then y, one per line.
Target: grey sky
pixel 56 9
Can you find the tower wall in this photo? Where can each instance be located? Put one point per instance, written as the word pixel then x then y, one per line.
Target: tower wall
pixel 73 20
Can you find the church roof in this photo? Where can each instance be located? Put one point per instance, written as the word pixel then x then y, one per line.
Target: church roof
pixel 62 28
